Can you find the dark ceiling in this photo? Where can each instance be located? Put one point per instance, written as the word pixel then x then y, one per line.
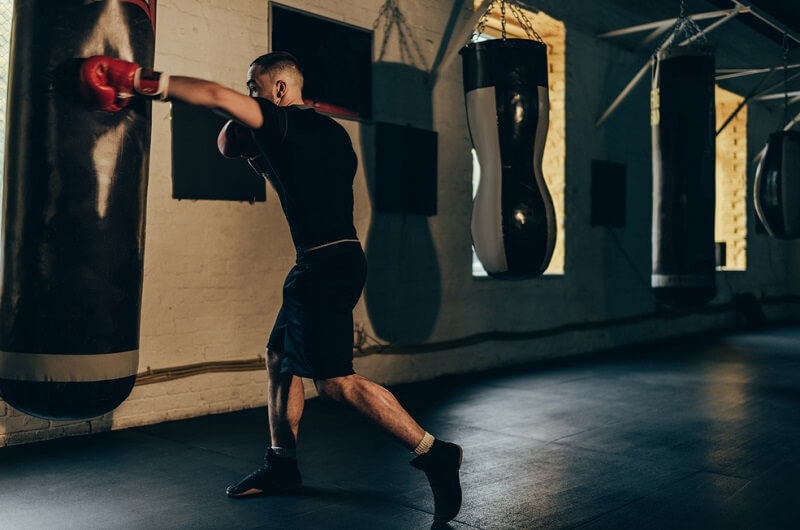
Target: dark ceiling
pixel 786 12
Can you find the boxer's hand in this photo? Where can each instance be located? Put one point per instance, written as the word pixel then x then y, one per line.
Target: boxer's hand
pixel 235 140
pixel 109 84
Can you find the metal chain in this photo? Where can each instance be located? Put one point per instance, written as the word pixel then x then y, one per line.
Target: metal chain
pixel 481 26
pixel 503 19
pixel 405 29
pixel 387 27
pixel 384 9
pixel 524 22
pixel 686 26
pixel 516 12
pixel 391 12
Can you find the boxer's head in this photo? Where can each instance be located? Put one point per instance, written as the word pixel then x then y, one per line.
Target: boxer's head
pixel 277 77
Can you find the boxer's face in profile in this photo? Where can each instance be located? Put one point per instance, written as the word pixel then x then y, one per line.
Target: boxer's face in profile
pixel 260 84
pixel 255 82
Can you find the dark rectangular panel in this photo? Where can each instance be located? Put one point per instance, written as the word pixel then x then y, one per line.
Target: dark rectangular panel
pixel 336 59
pixel 199 171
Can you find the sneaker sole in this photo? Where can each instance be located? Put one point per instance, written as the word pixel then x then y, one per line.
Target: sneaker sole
pixel 255 492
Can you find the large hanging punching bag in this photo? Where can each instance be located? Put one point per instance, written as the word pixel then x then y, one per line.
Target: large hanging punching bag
pixel 777 185
pixel 683 138
pixel 513 221
pixel 73 212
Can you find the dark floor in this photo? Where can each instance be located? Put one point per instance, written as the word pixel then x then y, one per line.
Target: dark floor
pixel 701 433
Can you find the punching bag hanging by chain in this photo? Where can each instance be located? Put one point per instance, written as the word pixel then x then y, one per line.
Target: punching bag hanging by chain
pixel 683 145
pixel 73 212
pixel 505 85
pixel 777 183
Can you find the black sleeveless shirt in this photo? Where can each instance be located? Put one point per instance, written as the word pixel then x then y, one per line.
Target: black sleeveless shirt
pixel 311 166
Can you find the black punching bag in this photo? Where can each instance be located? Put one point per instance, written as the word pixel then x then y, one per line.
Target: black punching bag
pixel 777 185
pixel 683 136
pixel 513 221
pixel 74 196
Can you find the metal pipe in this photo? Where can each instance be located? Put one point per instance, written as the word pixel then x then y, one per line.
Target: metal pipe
pixel 622 95
pixel 662 23
pixel 732 74
pixel 654 35
pixel 782 82
pixel 767 97
pixel 792 122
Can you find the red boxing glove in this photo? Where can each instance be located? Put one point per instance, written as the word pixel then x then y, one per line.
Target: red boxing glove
pixel 235 140
pixel 108 84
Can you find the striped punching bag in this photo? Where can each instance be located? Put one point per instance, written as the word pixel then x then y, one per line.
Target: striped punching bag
pixel 683 137
pixel 73 212
pixel 513 221
pixel 777 185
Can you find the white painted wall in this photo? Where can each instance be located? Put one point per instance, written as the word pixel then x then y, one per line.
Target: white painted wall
pixel 214 270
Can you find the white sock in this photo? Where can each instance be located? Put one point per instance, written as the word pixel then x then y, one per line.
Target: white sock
pixel 283 452
pixel 425 444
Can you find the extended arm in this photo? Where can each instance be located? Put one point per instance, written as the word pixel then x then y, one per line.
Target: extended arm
pixel 108 84
pixel 227 102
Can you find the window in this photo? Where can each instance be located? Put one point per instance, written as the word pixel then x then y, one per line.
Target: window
pixel 199 172
pixel 554 34
pixel 730 222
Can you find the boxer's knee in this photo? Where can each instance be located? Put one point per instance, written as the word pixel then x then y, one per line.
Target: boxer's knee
pixel 274 360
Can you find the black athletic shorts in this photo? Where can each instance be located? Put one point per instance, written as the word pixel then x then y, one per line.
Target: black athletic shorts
pixel 314 327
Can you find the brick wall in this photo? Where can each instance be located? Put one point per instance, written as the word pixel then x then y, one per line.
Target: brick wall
pixel 730 223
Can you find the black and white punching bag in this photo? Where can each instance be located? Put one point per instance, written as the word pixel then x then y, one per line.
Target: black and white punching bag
pixel 513 221
pixel 73 221
pixel 777 185
pixel 683 138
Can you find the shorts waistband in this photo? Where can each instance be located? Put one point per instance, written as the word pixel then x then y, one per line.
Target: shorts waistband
pixel 301 250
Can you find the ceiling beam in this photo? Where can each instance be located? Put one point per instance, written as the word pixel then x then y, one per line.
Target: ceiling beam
pixel 767 19
pixel 666 23
pixel 778 95
pixel 723 74
pixel 726 16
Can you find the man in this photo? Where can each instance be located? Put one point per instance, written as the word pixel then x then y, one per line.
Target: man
pixel 310 162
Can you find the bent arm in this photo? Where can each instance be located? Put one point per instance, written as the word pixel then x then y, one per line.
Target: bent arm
pixel 227 102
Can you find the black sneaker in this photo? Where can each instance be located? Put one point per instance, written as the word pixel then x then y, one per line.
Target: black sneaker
pixel 441 464
pixel 277 475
